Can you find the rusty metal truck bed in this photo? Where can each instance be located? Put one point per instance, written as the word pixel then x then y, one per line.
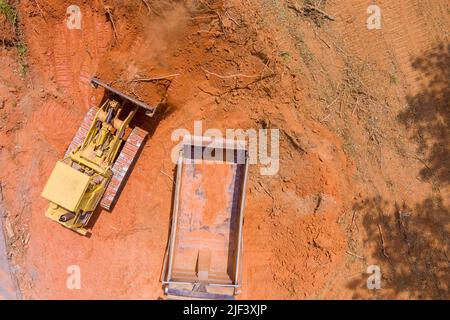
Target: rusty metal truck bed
pixel 205 242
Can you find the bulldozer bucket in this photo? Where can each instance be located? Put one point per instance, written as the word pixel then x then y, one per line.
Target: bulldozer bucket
pixel 149 111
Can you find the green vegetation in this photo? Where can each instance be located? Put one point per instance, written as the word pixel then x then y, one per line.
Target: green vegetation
pixel 286 56
pixel 11 15
pixel 22 52
pixel 9 12
pixel 393 78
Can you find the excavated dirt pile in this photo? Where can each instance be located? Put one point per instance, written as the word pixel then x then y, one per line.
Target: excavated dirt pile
pixel 342 97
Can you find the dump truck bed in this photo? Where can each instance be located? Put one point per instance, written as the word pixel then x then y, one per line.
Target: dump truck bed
pixel 205 244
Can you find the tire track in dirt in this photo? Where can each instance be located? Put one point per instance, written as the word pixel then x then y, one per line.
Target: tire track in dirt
pixel 77 54
pixel 405 34
pixel 61 65
pixel 98 36
pixel 364 43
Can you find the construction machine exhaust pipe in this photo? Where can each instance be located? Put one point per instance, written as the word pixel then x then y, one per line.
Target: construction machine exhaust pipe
pixel 67 217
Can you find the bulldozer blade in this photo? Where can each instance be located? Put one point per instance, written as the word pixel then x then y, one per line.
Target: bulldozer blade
pixel 122 167
pixel 149 111
pixel 83 130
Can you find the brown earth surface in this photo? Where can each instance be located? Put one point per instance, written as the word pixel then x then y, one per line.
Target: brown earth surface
pixel 364 149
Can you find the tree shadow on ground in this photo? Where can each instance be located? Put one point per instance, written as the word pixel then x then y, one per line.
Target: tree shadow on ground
pixel 428 114
pixel 410 242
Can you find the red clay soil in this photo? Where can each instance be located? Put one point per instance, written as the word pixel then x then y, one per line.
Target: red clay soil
pixel 350 191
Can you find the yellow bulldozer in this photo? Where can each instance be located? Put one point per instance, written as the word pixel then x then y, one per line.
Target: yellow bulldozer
pixel 97 162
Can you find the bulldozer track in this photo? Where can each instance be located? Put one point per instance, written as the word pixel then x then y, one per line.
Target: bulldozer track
pixel 83 130
pixel 122 167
